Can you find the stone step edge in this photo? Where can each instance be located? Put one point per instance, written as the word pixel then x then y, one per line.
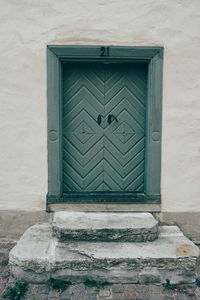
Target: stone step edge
pixel 123 233
pixel 146 276
pixel 106 235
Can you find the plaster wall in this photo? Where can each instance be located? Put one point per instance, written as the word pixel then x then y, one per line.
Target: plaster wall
pixel 26 27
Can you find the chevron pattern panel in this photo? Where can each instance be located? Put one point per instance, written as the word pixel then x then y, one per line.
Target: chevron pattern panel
pixel 105 157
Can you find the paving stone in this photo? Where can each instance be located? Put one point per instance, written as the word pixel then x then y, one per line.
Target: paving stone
pixel 54 294
pixel 118 296
pixel 4 271
pixel 130 292
pixel 67 293
pixel 154 289
pixel 197 292
pixel 78 291
pixel 91 296
pixel 42 297
pixel 36 297
pixel 87 295
pixel 190 292
pixel 104 293
pixel 168 292
pixel 156 297
pixel 118 288
pixel 43 289
pixel 6 245
pixel 32 289
pixel 142 291
pixel 180 296
pixel 3 260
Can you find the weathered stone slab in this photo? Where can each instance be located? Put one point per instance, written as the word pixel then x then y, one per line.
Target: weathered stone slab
pixel 39 256
pixel 126 227
pixel 29 259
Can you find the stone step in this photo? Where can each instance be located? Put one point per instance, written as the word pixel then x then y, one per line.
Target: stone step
pixel 118 227
pixel 39 256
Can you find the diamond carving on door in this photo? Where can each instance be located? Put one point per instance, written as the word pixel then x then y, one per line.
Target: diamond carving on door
pixel 124 132
pixel 104 107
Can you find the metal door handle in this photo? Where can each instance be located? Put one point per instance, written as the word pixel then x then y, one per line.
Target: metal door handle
pixel 99 119
pixel 112 118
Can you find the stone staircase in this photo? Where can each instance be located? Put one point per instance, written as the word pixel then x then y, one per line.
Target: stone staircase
pixel 105 247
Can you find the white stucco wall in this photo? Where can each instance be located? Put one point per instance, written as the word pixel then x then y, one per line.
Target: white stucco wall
pixel 27 26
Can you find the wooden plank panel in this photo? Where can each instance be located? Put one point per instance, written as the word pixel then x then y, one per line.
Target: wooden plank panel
pixel 116 151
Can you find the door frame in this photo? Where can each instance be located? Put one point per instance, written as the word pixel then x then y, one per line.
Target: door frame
pixel 56 56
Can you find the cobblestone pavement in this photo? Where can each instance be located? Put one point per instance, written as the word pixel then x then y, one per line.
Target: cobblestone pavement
pixel 5 247
pixel 84 292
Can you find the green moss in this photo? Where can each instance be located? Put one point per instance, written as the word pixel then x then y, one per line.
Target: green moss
pixel 59 285
pixel 15 293
pixel 198 282
pixel 169 286
pixel 94 283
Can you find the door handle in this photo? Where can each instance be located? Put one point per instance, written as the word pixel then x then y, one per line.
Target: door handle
pixel 112 118
pixel 99 119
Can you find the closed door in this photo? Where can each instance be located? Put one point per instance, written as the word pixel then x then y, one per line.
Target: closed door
pixel 104 127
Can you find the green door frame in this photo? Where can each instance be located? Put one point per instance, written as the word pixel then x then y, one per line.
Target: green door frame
pixel 56 56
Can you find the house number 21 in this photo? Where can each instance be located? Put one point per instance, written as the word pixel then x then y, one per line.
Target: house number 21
pixel 104 51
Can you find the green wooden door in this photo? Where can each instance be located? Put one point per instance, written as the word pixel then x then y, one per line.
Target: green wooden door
pixel 109 156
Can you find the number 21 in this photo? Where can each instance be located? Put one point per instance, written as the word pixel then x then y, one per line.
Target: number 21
pixel 104 51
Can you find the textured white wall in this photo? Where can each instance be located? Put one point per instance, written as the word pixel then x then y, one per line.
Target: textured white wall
pixel 27 26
